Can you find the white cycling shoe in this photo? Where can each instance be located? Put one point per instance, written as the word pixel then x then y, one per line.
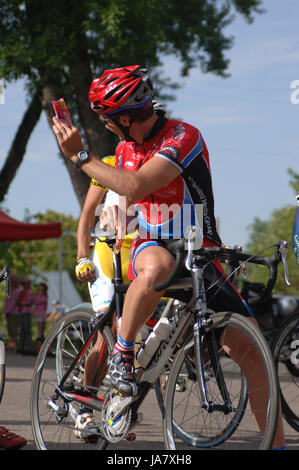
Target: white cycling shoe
pixel 85 428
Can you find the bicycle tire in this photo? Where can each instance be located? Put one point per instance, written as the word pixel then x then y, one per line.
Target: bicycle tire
pixel 285 347
pixel 203 429
pixel 59 348
pixel 160 387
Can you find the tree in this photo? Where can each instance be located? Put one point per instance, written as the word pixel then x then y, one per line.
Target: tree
pixel 294 181
pixel 59 46
pixel 267 233
pixel 18 148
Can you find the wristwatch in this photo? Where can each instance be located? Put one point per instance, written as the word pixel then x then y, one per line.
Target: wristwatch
pixel 82 158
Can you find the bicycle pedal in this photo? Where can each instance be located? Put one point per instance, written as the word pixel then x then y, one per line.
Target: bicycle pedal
pixel 123 395
pixel 120 394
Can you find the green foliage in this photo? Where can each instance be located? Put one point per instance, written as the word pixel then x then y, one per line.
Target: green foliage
pixel 294 182
pixel 44 41
pixel 265 233
pixel 58 47
pixel 41 40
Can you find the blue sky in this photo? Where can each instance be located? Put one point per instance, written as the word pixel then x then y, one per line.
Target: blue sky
pixel 248 122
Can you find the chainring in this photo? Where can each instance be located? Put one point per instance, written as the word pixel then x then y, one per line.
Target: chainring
pixel 115 430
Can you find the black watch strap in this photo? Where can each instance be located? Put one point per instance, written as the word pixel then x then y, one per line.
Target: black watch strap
pixel 82 157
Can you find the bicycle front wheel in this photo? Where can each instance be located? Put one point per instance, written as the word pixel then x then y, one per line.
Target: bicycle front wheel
pixel 53 415
pixel 285 349
pixel 247 423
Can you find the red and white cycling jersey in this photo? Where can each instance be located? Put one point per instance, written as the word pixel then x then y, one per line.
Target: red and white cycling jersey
pixel 188 199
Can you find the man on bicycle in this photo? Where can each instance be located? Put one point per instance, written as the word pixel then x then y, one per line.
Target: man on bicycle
pixel 162 167
pixel 161 164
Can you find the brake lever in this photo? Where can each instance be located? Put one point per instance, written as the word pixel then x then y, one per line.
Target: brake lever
pixel 239 249
pixel 190 235
pixel 282 248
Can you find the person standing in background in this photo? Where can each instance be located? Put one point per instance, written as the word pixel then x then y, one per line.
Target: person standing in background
pixel 40 311
pixel 11 311
pixel 26 305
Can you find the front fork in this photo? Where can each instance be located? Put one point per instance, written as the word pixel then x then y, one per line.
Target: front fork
pixel 204 336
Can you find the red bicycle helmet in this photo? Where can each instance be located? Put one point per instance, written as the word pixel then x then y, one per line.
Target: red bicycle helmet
pixel 121 89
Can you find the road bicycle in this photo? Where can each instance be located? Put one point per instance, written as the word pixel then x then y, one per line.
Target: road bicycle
pixel 214 407
pixel 285 347
pixel 269 312
pixel 4 276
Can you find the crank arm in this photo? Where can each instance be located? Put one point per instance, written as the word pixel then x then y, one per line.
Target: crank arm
pixel 125 403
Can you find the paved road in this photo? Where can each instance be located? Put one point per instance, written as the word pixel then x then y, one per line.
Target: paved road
pixel 15 410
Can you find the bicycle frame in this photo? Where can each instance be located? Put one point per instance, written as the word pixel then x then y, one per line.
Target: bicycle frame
pixel 190 358
pixel 295 233
pixel 197 312
pixel 106 319
pixel 200 328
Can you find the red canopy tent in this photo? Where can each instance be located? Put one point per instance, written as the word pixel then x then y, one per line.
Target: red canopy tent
pixel 12 230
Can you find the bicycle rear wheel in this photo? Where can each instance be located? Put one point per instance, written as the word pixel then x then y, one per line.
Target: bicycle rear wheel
pixel 188 424
pixel 53 413
pixel 285 347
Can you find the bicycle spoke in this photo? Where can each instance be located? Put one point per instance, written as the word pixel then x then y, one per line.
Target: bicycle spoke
pixel 53 412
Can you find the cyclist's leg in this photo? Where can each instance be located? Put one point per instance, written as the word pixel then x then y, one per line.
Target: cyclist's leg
pixel 101 292
pixel 96 362
pixel 244 354
pixel 228 298
pixel 152 264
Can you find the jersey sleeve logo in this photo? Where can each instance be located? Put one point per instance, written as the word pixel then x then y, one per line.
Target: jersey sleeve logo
pixel 179 132
pixel 170 152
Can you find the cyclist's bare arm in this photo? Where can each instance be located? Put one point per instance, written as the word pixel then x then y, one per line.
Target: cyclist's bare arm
pixel 153 175
pixel 94 197
pixel 117 219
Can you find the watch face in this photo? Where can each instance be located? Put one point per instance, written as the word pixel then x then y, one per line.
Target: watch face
pixel 83 155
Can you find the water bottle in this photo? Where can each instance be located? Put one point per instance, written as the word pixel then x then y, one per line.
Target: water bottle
pixel 160 333
pixel 144 332
pixel 295 236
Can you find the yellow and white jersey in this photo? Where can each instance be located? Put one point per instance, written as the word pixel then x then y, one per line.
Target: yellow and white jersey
pixel 112 198
pixel 102 288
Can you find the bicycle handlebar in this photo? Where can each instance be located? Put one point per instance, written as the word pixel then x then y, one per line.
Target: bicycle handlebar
pixel 178 248
pixel 223 254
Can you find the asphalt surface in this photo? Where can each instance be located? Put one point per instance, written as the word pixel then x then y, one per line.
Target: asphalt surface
pixel 15 410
